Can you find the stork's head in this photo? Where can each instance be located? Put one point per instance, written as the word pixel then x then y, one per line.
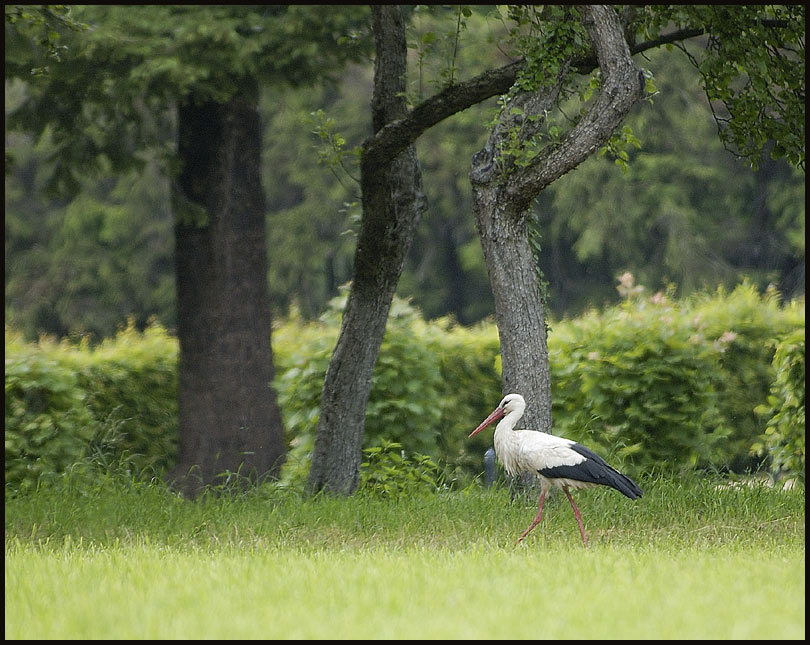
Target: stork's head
pixel 510 404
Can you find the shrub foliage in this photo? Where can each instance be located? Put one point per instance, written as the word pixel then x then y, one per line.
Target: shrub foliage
pixel 68 402
pixel 716 380
pixel 48 427
pixel 784 437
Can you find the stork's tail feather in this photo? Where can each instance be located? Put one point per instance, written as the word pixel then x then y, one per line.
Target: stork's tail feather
pixel 603 473
pixel 626 486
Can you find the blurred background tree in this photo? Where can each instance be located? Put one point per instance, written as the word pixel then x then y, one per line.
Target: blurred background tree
pixel 178 85
pixel 687 212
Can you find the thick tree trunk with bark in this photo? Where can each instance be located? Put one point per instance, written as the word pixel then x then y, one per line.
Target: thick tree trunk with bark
pixel 392 204
pixel 519 313
pixel 501 203
pixel 229 420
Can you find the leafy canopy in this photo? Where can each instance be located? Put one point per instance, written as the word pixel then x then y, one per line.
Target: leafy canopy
pixel 117 78
pixel 752 70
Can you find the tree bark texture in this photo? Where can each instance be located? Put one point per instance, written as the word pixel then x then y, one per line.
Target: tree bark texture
pixel 229 420
pixel 519 313
pixel 392 205
pixel 501 206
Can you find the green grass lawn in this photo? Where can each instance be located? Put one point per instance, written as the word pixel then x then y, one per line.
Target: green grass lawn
pixel 688 560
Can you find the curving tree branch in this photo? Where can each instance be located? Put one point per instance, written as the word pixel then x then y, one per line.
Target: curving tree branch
pixel 397 135
pixel 622 85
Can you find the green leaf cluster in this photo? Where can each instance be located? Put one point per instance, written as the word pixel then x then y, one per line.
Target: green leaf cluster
pixel 548 37
pixel 44 26
pixel 135 63
pixel 784 437
pixel 617 146
pixel 752 69
pixel 386 471
pixel 332 152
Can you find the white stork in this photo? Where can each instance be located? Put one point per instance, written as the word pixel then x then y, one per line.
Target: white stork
pixel 558 462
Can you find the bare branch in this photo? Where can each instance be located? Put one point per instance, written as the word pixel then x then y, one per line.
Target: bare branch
pixel 667 39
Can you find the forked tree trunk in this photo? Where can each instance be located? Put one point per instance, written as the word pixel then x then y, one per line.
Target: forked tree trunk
pixel 392 204
pixel 501 203
pixel 229 420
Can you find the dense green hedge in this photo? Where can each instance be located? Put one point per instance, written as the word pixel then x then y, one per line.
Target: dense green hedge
pixel 47 425
pixel 650 383
pixel 662 382
pixel 69 402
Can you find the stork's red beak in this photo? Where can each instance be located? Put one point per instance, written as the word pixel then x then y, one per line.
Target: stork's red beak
pixel 496 414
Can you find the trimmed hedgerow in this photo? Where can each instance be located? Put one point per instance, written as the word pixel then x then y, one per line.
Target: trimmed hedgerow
pixel 663 383
pixel 635 385
pixel 745 327
pixel 67 403
pixel 650 383
pixel 130 386
pixel 47 425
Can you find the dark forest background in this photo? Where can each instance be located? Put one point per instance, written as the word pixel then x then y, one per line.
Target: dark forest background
pixel 683 213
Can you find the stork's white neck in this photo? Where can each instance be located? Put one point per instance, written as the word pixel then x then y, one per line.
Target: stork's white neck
pixel 506 440
pixel 508 423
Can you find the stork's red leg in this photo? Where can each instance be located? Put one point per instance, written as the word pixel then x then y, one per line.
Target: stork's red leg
pixel 577 515
pixel 536 520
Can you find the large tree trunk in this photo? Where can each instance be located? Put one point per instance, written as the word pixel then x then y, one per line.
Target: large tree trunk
pixel 229 420
pixel 519 313
pixel 392 204
pixel 501 203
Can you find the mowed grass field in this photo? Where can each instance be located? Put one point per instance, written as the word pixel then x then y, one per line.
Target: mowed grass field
pixel 691 559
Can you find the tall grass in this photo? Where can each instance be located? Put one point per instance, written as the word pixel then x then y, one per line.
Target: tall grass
pixel 119 559
pixel 686 512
